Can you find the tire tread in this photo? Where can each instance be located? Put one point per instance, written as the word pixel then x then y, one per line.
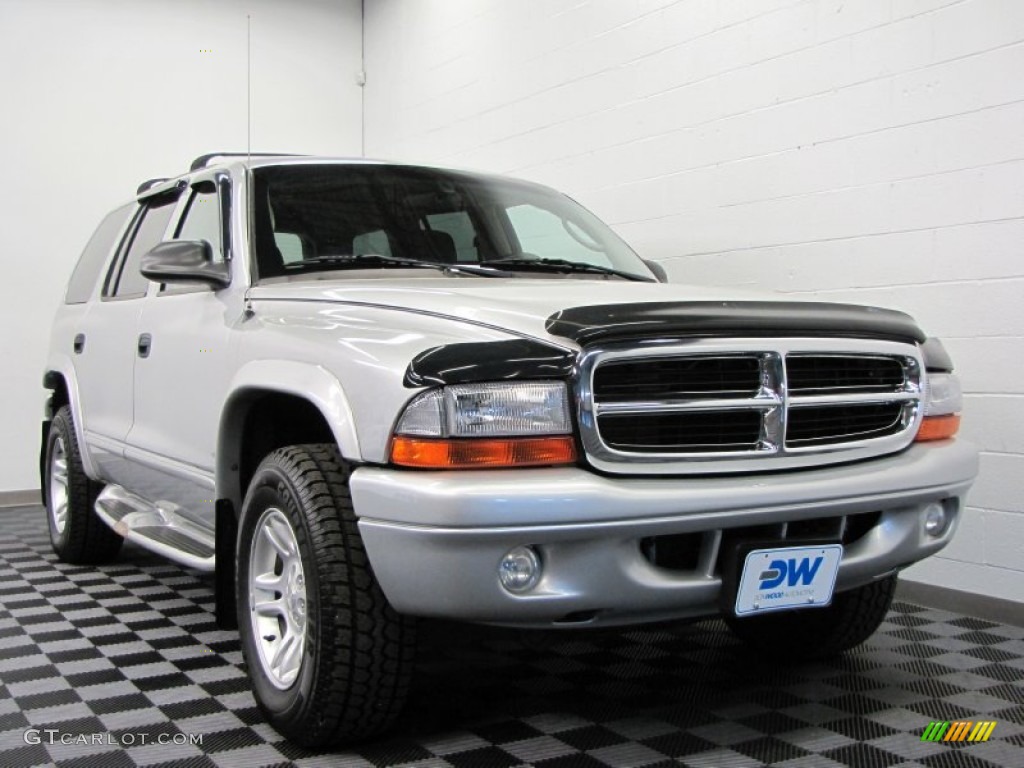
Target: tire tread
pixel 88 539
pixel 364 666
pixel 814 633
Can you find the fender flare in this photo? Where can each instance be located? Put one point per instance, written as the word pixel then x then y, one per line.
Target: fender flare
pixel 61 365
pixel 312 383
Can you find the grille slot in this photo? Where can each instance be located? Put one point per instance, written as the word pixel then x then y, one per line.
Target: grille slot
pixel 828 424
pixel 687 431
pixel 727 405
pixel 846 530
pixel 675 552
pixel 822 374
pixel 678 378
pixel 815 528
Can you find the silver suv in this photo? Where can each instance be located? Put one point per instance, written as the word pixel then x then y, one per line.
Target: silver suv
pixel 363 392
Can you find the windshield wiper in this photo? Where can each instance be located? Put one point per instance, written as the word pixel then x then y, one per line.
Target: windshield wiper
pixel 566 266
pixel 348 261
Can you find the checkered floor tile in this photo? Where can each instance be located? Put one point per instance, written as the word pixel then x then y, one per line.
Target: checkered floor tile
pixel 122 665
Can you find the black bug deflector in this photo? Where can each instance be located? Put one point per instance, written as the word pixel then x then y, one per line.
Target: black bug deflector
pixel 516 359
pixel 602 322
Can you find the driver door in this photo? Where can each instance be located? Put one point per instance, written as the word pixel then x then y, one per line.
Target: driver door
pixel 181 384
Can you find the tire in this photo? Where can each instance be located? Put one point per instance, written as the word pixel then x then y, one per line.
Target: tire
pixel 77 534
pixel 814 633
pixel 344 675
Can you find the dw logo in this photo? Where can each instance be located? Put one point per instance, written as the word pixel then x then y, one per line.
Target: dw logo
pixel 791 571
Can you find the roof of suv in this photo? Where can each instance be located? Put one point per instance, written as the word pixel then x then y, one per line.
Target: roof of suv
pixel 226 160
pixel 242 159
pixel 256 159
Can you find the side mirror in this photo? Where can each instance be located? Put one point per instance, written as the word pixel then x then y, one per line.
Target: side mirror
pixel 658 270
pixel 178 261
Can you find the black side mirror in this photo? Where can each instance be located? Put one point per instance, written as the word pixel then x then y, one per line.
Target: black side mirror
pixel 658 270
pixel 178 261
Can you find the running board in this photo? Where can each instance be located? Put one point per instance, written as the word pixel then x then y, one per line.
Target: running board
pixel 157 527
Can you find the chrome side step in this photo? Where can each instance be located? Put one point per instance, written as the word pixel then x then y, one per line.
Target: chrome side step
pixel 158 528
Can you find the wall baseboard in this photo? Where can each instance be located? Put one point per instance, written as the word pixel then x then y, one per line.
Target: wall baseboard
pixel 20 498
pixel 967 603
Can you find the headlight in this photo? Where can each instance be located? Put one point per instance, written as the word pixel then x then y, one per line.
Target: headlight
pixel 943 395
pixel 486 425
pixel 942 405
pixel 489 410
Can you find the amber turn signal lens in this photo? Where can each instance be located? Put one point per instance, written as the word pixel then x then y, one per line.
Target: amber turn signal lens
pixel 938 427
pixel 469 453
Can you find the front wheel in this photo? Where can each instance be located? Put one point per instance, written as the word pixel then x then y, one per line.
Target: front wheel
pixel 329 658
pixel 807 633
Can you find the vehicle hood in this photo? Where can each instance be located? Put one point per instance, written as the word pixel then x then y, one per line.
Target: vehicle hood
pixel 521 306
pixel 529 307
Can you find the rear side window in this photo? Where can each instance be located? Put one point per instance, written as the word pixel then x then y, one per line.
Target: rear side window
pixel 95 256
pixel 129 282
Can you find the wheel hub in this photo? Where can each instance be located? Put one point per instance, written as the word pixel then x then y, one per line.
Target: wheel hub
pixel 277 598
pixel 297 598
pixel 58 489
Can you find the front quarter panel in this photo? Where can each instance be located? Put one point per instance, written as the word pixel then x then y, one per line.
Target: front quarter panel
pixel 302 379
pixel 350 361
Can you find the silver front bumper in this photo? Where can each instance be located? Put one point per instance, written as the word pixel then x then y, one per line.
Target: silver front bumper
pixel 435 539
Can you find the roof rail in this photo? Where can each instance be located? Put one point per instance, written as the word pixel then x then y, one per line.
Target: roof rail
pixel 149 184
pixel 203 160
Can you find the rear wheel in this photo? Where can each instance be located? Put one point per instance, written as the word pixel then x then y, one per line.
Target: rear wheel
pixel 77 534
pixel 851 619
pixel 329 658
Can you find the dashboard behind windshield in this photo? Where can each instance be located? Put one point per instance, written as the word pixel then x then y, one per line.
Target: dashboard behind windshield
pixel 314 218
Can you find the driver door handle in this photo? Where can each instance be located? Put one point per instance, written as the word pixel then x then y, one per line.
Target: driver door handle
pixel 145 344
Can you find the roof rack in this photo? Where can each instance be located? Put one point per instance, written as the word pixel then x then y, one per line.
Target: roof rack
pixel 203 160
pixel 149 184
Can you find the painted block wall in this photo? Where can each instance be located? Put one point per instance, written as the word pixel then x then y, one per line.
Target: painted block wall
pixel 859 151
pixel 99 95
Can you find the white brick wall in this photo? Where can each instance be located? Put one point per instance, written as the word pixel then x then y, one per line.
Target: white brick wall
pixel 862 151
pixel 99 95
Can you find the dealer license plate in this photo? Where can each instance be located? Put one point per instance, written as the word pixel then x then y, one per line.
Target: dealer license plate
pixel 789 577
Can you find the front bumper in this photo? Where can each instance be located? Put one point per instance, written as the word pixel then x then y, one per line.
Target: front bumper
pixel 435 539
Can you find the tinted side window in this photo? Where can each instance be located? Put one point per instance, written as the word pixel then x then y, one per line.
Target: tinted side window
pixel 95 256
pixel 202 222
pixel 148 233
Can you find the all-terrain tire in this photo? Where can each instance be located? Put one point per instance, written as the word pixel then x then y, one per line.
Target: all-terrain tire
pixel 357 655
pixel 77 534
pixel 806 633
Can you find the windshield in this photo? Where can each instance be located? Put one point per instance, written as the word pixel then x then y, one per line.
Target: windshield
pixel 314 218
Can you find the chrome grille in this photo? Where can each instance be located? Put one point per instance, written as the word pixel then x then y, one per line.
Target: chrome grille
pixel 821 374
pixel 829 424
pixel 677 377
pixel 746 404
pixel 689 431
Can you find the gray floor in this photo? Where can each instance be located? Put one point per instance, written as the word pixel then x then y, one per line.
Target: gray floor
pixel 114 656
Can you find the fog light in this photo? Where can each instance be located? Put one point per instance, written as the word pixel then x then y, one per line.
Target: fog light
pixel 934 519
pixel 519 570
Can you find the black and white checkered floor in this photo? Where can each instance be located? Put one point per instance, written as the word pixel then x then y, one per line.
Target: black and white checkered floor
pixel 114 660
